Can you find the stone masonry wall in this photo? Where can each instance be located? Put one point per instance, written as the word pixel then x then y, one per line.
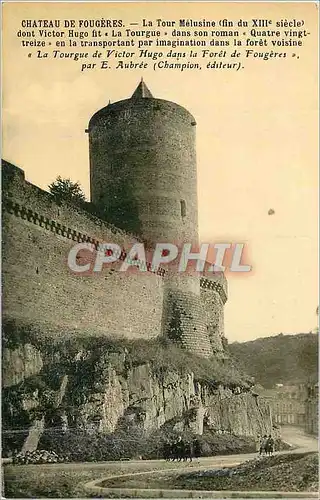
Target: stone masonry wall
pixel 37 283
pixel 185 321
pixel 213 297
pixel 214 317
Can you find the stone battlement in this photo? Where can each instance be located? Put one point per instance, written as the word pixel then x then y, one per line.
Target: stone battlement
pixel 36 206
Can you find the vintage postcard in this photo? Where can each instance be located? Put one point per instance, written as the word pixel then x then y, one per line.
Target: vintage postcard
pixel 159 249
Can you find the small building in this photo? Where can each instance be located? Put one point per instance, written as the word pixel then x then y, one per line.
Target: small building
pixel 312 409
pixel 287 403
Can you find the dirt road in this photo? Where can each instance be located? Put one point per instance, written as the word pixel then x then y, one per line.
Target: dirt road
pixel 299 439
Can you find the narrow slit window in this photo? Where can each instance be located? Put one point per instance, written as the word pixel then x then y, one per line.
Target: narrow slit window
pixel 183 208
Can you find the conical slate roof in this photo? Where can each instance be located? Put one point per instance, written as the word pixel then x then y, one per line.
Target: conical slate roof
pixel 141 91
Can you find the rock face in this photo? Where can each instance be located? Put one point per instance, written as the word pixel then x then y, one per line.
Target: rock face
pixel 20 363
pixel 31 443
pixel 151 401
pixel 242 414
pixel 108 393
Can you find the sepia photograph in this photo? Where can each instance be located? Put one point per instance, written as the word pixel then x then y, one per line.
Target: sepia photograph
pixel 159 186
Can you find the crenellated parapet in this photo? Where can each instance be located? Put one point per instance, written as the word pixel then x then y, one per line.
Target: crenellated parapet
pixel 30 215
pixel 217 284
pixel 59 229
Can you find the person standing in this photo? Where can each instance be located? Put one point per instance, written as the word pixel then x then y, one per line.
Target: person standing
pixel 196 449
pixel 270 445
pixel 258 440
pixel 263 444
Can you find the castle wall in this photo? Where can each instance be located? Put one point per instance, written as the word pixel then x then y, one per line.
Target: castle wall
pixel 37 283
pixel 144 179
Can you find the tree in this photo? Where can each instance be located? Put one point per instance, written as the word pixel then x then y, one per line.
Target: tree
pixel 66 190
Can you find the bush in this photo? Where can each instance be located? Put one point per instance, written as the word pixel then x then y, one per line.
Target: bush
pixel 38 457
pixel 133 443
pixel 66 190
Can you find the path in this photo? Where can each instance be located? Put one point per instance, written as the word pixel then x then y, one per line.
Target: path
pixel 298 438
pixel 295 436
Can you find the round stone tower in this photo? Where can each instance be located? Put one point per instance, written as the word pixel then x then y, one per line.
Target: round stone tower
pixel 144 180
pixel 143 167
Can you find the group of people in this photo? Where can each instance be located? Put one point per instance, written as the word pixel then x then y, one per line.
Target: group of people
pixel 181 450
pixel 266 445
pixel 184 450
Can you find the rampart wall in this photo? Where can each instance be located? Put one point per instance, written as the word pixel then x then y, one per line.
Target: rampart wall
pixel 37 283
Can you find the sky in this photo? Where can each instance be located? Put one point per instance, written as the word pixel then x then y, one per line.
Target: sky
pixel 257 147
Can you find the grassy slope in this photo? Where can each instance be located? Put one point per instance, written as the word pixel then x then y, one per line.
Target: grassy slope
pixel 280 359
pixel 294 472
pixel 162 355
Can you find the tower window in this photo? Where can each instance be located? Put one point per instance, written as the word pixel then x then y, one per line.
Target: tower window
pixel 183 208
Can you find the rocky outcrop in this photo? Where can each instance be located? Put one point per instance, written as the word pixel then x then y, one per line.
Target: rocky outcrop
pixel 20 363
pixel 107 392
pixel 35 431
pixel 152 401
pixel 242 414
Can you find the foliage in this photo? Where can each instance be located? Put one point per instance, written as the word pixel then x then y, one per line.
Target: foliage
pixel 37 457
pixel 61 348
pixel 66 190
pixel 175 326
pixel 133 443
pixel 286 359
